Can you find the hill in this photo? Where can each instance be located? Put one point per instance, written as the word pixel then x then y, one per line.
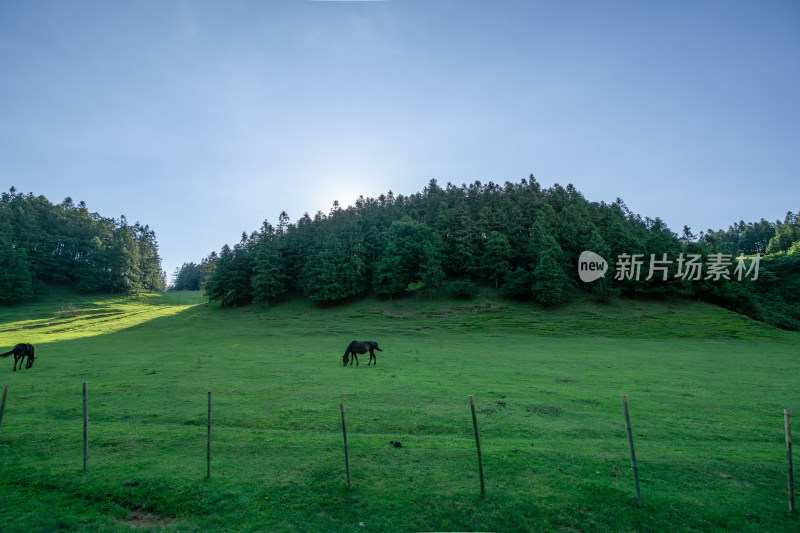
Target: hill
pixel 520 238
pixel 706 389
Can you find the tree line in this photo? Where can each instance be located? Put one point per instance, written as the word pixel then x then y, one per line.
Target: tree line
pixel 519 238
pixel 43 243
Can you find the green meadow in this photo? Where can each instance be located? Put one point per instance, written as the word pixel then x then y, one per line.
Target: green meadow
pixel 706 391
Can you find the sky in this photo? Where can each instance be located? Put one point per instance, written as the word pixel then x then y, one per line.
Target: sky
pixel 203 118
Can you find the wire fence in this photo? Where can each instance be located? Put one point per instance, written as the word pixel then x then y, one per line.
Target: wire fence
pixel 302 442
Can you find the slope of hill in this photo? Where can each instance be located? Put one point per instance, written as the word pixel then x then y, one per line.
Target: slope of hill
pixel 706 389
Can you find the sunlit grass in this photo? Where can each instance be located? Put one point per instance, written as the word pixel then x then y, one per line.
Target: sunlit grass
pixel 63 315
pixel 706 389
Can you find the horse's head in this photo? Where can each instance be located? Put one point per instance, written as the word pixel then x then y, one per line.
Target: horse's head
pixel 345 359
pixel 30 361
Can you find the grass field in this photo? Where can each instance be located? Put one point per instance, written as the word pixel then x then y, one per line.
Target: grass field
pixel 706 388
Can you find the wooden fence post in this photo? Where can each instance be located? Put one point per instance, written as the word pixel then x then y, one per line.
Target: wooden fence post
pixel 208 442
pixel 3 405
pixel 477 442
pixel 346 453
pixel 788 429
pixel 630 445
pixel 85 425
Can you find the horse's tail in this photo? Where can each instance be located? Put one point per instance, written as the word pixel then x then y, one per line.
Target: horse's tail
pixel 375 345
pixel 6 354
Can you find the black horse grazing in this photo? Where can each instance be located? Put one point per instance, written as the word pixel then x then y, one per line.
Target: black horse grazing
pixel 20 351
pixel 357 347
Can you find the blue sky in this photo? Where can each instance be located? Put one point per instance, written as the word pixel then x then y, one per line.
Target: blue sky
pixel 203 118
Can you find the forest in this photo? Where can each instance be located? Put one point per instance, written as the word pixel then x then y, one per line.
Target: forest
pixel 42 243
pixel 519 238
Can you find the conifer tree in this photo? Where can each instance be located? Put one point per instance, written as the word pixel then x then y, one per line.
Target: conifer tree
pixel 496 259
pixel 16 281
pixel 602 288
pixel 550 282
pixel 189 277
pixel 412 254
pixel 269 278
pixel 335 273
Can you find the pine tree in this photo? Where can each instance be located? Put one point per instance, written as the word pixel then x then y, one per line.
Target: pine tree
pixel 269 278
pixel 496 259
pixel 458 233
pixel 16 281
pixel 431 272
pixel 229 282
pixel 550 282
pixel 189 277
pixel 786 233
pixel 335 273
pixel 601 288
pixel 412 254
pixel 125 274
pixel 517 284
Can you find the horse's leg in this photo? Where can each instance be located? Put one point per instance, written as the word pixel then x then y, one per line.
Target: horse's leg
pixel 16 358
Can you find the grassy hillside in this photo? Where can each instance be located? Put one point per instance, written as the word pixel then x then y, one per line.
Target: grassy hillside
pixel 706 389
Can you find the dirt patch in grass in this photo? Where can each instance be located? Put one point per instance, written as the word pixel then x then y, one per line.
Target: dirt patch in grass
pixel 140 518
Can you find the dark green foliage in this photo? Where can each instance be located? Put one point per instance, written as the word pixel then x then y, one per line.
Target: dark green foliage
pixel 774 296
pixel 760 237
pixel 16 281
pixel 550 282
pixel 124 260
pixel 189 277
pixel 412 254
pixel 389 279
pixel 464 289
pixel 331 258
pixel 662 247
pixel 517 284
pixel 519 237
pixel 601 288
pixel 459 235
pixel 65 243
pixel 785 234
pixel 269 278
pixel 229 282
pixel 336 272
pixel 777 292
pixel 496 259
